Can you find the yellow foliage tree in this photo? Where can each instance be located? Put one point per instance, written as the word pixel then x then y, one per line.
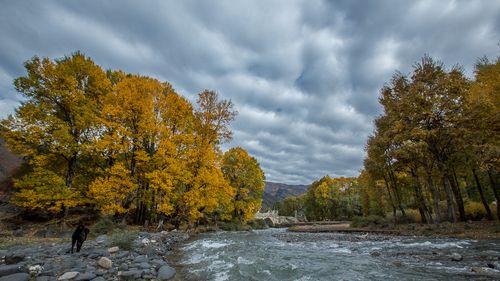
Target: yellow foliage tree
pixel 54 128
pixel 247 179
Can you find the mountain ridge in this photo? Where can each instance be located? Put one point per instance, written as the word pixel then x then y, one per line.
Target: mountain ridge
pixel 275 192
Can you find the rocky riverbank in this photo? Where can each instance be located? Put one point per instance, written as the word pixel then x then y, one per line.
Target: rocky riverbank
pixel 124 256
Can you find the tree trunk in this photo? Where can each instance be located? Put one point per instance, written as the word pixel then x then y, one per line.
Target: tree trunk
pixel 494 187
pixel 396 192
pixel 435 198
pixel 449 199
pixel 393 205
pixel 422 207
pixel 70 174
pixel 481 194
pixel 458 197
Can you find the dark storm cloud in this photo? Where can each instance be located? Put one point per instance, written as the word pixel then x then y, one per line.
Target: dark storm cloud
pixel 304 75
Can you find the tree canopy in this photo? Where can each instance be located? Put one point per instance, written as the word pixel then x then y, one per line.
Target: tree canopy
pixel 128 145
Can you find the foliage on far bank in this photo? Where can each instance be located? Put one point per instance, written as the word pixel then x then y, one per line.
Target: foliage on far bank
pixel 126 145
pixel 436 147
pixel 326 199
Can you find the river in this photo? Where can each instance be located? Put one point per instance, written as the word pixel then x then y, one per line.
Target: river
pixel 275 254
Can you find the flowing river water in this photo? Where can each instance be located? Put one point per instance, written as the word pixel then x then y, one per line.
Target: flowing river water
pixel 275 254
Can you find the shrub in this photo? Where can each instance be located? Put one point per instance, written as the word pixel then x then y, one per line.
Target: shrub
pixel 233 226
pixel 475 210
pixel 370 220
pixel 257 224
pixel 123 239
pixel 412 216
pixel 106 225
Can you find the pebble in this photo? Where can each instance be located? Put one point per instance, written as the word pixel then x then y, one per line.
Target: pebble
pixel 140 259
pixel 113 250
pixel 68 275
pixel 104 262
pixel 165 273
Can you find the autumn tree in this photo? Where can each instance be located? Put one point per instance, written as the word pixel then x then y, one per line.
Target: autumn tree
pixel 332 198
pixel 247 179
pixel 54 127
pixel 482 124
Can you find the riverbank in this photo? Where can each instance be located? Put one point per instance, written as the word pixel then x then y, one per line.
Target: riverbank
pixel 461 230
pixel 125 255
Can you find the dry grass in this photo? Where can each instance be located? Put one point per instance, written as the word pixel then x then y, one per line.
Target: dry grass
pixel 8 242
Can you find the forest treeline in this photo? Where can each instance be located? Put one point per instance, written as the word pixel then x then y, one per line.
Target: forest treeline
pixel 433 155
pixel 126 145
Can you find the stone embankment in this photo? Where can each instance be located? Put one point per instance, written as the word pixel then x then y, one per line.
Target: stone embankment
pixel 100 259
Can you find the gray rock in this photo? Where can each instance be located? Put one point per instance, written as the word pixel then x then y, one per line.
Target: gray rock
pixel 144 265
pixel 131 273
pixel 165 273
pixel 11 269
pixel 104 262
pixel 456 257
pixel 375 253
pixel 101 239
pixel 85 277
pixel 45 278
pixel 3 253
pixel 478 269
pixel 123 267
pixel 99 279
pixel 14 258
pixel 16 277
pixel 140 259
pixel 113 250
pixel 68 275
pixel 98 253
pixel 122 254
pixel 158 263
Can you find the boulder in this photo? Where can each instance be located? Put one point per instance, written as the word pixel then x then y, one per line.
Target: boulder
pixel 104 262
pixel 16 277
pixel 456 257
pixel 165 273
pixel 13 259
pixel 11 269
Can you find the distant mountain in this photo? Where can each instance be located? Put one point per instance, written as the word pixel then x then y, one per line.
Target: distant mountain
pixel 275 192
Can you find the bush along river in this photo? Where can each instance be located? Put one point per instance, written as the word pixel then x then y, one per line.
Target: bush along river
pixel 275 254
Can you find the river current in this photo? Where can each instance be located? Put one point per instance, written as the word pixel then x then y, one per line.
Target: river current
pixel 275 254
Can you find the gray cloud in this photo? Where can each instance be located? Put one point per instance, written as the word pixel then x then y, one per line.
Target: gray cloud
pixel 304 75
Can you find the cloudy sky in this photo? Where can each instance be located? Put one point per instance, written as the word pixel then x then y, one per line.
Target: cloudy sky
pixel 303 75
